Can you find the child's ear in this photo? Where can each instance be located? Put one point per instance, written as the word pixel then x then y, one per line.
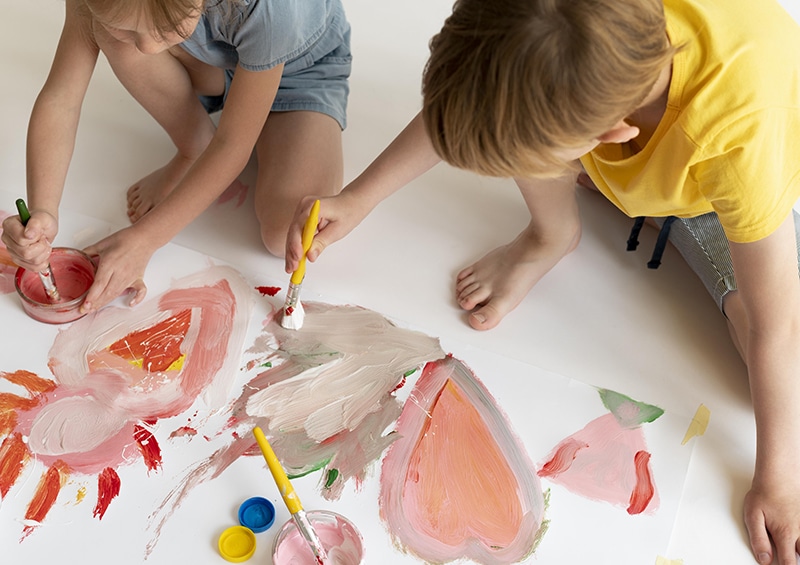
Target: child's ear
pixel 620 133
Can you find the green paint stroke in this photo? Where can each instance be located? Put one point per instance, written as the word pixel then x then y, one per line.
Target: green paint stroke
pixel 628 412
pixel 308 470
pixel 333 474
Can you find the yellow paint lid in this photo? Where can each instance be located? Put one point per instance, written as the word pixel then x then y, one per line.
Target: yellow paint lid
pixel 237 544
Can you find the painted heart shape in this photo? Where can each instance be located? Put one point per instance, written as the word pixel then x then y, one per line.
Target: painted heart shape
pixel 452 427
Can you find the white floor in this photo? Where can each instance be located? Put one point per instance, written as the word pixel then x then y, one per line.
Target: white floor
pixel 601 317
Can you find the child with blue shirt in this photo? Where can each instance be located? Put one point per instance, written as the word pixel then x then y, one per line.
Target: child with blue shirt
pixel 278 71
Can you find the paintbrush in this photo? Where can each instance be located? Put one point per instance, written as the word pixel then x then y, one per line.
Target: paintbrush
pixel 46 275
pixel 293 313
pixel 290 497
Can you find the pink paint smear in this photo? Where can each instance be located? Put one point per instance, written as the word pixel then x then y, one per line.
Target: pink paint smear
pixel 608 459
pixel 116 373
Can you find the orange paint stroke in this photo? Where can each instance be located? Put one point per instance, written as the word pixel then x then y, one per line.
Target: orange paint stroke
pixel 454 440
pixel 45 496
pixel 158 346
pixel 31 382
pixel 14 455
pixel 644 490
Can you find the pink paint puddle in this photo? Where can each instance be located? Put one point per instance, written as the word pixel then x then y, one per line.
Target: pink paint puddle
pixel 73 271
pixel 340 538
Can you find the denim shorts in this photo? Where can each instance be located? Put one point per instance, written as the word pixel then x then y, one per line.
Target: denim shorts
pixel 703 244
pixel 317 81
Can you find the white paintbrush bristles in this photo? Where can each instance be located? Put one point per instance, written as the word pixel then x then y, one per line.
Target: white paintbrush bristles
pixel 293 317
pixel 293 313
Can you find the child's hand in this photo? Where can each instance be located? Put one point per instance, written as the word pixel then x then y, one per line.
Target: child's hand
pixel 338 216
pixel 772 513
pixel 30 245
pixel 123 258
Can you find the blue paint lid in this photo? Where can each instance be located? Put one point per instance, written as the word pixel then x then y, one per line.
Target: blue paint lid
pixel 257 514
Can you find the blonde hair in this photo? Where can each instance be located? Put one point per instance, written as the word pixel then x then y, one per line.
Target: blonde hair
pixel 510 82
pixel 165 16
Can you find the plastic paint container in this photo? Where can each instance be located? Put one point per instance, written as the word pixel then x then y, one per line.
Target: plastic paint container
pixel 340 538
pixel 257 514
pixel 237 544
pixel 73 271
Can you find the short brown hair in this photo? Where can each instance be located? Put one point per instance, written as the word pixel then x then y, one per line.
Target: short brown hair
pixel 510 81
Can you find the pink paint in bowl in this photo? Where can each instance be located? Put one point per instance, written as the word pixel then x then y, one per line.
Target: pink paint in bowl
pixel 73 271
pixel 340 538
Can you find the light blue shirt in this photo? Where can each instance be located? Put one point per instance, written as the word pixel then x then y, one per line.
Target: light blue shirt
pixel 260 34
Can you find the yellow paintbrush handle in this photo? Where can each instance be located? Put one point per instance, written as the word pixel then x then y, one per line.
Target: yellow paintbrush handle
pixel 309 229
pixel 287 490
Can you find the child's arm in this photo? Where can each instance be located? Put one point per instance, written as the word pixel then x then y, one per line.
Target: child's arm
pixel 124 255
pixel 407 157
pixel 51 141
pixel 767 279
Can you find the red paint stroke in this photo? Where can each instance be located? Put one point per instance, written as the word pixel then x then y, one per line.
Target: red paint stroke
pixel 562 459
pixel 108 486
pixel 643 491
pixel 158 346
pixel 400 385
pixel 183 431
pixel 45 496
pixel 148 446
pixel 268 290
pixel 13 456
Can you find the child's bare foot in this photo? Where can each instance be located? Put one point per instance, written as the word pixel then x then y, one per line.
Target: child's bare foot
pixel 498 282
pixel 145 194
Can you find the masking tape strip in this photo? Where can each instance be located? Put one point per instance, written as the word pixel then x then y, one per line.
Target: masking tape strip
pixel 698 425
pixel 664 561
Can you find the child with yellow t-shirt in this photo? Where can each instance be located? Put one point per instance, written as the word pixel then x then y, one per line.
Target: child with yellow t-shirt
pixel 687 112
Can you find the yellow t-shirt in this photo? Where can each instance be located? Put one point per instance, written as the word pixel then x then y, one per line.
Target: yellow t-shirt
pixel 729 141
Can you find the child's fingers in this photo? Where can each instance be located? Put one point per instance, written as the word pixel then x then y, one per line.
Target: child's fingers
pixel 294 237
pixel 759 538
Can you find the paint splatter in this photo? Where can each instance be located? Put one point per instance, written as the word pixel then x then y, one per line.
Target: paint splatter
pixel 608 459
pixel 327 389
pixel 183 431
pixel 268 290
pixel 117 373
pixel 452 427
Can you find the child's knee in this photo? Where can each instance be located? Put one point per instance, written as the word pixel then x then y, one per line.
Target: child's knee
pixel 274 238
